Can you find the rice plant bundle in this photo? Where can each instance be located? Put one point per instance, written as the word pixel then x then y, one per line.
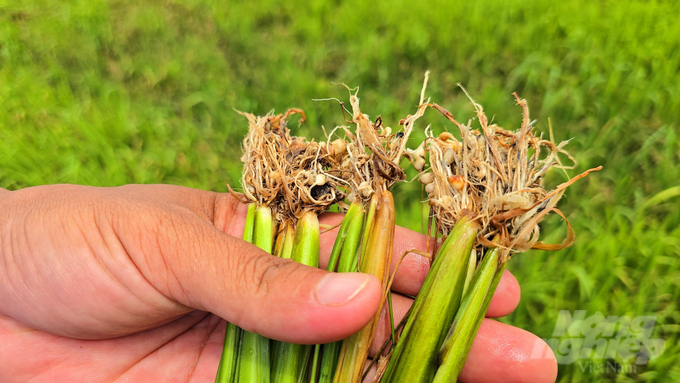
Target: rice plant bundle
pixel 486 196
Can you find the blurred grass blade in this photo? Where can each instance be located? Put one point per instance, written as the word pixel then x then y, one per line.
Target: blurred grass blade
pixel 375 259
pixel 226 372
pixel 466 323
pixel 433 310
pixel 662 197
pixel 254 357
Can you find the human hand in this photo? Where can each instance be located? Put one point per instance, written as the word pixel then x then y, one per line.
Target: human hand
pixel 103 284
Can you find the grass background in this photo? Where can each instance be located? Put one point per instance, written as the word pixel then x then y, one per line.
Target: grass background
pixel 113 92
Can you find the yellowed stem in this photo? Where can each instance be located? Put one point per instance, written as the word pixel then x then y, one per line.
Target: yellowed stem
pixel 376 256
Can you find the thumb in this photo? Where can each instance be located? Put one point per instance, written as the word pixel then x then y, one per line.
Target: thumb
pixel 204 268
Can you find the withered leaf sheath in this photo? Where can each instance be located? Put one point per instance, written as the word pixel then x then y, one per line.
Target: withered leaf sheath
pixel 375 259
pixel 343 259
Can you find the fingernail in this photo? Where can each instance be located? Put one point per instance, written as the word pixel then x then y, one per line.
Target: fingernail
pixel 337 289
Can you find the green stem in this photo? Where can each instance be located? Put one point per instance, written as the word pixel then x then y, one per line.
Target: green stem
pixel 414 359
pixel 306 240
pixel 329 361
pixel 226 372
pixel 468 318
pixel 254 359
pixel 315 363
pixel 350 249
pixel 291 361
pixel 345 249
pixel 391 312
pixel 263 233
pixel 249 228
pixel 284 243
pixel 351 224
pixel 472 264
pixel 376 255
pixel 255 354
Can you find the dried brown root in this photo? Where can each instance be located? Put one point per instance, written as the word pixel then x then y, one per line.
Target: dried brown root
pixel 495 176
pixel 373 154
pixel 290 174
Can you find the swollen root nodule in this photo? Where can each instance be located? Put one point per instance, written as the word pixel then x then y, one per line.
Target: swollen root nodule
pixel 486 196
pixel 494 176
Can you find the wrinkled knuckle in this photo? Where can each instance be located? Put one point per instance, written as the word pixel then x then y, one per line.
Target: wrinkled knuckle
pixel 58 202
pixel 260 272
pixel 123 209
pixel 9 206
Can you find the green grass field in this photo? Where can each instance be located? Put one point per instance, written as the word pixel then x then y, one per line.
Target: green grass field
pixel 113 92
